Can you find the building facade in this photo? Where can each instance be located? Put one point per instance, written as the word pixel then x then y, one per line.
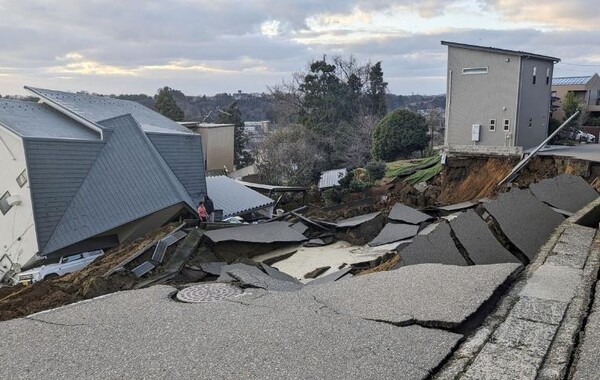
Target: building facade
pixel 217 142
pixel 586 90
pixel 498 101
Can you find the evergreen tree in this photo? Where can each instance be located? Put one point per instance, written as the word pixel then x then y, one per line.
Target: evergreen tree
pixel 165 104
pixel 376 92
pixel 233 115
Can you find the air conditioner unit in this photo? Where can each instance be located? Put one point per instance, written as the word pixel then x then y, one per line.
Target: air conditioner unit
pixel 13 200
pixel 475 129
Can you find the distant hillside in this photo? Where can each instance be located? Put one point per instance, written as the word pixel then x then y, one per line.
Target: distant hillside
pixel 256 107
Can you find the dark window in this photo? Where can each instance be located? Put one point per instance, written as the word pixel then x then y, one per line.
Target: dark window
pixel 4 206
pixel 534 73
pixel 548 75
pixel 506 124
pixel 530 122
pixel 492 125
pixel 22 178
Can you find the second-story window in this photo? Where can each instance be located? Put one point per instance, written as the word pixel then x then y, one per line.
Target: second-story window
pixel 548 75
pixel 506 125
pixel 534 73
pixel 492 125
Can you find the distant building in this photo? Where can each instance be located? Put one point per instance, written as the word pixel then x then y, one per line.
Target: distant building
pixel 586 89
pixel 498 100
pixel 82 172
pixel 217 144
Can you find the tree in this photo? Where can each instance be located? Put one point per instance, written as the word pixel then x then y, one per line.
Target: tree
pixel 399 134
pixel 377 91
pixel 570 105
pixel 165 104
pixel 233 115
pixel 289 156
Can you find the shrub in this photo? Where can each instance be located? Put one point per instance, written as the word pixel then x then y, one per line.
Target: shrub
pixel 376 170
pixel 398 134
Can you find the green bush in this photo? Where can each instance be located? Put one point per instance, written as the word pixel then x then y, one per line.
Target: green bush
pixel 398 134
pixel 376 170
pixel 358 185
pixel 333 196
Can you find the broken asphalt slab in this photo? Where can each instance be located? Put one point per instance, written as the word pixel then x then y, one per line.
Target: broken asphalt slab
pixel 266 233
pixel 479 242
pixel 431 295
pixel 393 232
pixel 355 221
pixel 286 336
pixel 402 213
pixel 436 247
pixel 565 192
pixel 525 220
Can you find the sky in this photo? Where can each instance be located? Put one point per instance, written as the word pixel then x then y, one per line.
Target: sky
pixel 215 46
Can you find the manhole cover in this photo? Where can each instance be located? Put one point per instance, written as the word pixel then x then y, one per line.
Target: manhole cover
pixel 207 293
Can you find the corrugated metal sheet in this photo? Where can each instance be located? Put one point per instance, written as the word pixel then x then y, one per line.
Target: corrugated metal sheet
pixel 570 81
pixel 98 108
pixel 331 178
pixel 234 198
pixel 183 154
pixel 28 119
pixel 128 180
pixel 56 170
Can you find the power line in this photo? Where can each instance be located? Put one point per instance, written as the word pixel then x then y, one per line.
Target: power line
pixel 579 64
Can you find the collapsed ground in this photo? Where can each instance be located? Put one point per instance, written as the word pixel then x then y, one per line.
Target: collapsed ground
pixel 460 180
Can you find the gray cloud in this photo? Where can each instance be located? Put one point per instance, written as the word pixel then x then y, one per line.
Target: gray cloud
pixel 202 46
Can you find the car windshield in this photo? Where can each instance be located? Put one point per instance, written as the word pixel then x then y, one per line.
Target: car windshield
pixel 68 259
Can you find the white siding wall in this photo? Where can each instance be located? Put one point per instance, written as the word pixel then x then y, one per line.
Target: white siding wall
pixel 17 230
pixel 479 98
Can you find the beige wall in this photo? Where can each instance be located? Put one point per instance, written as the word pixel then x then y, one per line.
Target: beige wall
pixel 479 98
pixel 18 237
pixel 588 94
pixel 217 144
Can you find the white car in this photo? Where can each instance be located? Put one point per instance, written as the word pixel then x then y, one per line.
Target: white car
pixel 587 137
pixel 66 264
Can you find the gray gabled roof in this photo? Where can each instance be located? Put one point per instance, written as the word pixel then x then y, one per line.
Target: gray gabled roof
pixel 234 198
pixel 33 120
pixel 128 180
pixel 501 51
pixel 98 108
pixel 571 81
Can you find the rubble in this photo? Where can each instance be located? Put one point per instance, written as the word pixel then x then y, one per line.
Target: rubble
pixel 393 232
pixel 436 247
pixel 403 213
pixel 565 192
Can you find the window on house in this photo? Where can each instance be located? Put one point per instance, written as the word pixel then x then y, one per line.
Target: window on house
pixel 22 178
pixel 492 125
pixel 4 206
pixel 548 75
pixel 475 70
pixel 506 124
pixel 530 122
pixel 534 73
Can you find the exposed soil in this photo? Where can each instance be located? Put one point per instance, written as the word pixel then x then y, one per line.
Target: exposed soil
pixel 22 300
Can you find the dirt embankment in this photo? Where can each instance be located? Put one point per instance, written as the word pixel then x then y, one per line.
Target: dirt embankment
pixel 88 283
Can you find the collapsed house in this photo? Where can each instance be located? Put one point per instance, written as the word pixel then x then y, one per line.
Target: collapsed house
pixel 83 172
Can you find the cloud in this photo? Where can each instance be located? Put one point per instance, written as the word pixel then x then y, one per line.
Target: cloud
pixel 202 46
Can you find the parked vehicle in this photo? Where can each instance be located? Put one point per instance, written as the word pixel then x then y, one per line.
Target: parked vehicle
pixel 585 137
pixel 66 264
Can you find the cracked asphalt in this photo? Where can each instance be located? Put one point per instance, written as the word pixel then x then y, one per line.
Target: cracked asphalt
pixel 305 334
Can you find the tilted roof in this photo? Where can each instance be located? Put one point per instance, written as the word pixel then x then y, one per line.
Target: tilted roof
pixel 234 198
pixel 501 51
pixel 97 108
pixel 331 178
pixel 115 190
pixel 571 81
pixel 34 120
